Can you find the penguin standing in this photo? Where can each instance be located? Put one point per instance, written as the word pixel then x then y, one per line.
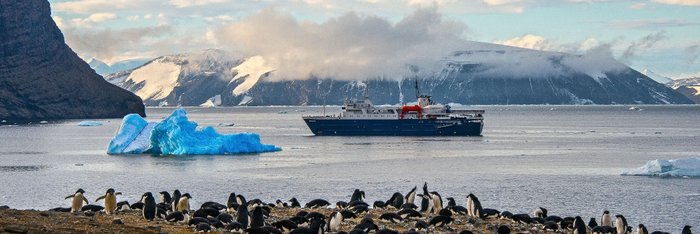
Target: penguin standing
pixel 256 219
pixel 641 229
pixel 77 202
pixel 294 202
pixel 184 203
pixel 242 215
pixel 357 195
pixel 606 220
pixel 540 212
pixel 579 226
pixel 437 202
pixel 686 230
pixel 474 208
pixel 620 224
pixel 165 197
pixel 411 196
pixel 232 203
pixel 470 205
pixel 176 199
pixel 149 206
pixel 336 218
pixel 110 200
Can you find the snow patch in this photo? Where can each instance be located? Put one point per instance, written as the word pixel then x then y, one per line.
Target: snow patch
pixel 212 101
pixel 251 70
pixel 176 135
pixel 686 167
pixel 159 79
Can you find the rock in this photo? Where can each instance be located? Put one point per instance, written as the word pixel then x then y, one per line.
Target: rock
pixel 15 229
pixel 117 221
pixel 42 78
pixel 4 207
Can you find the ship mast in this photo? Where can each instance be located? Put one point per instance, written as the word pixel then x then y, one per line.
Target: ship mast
pixel 417 89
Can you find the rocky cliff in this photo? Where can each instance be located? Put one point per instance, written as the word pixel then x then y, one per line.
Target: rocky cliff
pixel 42 78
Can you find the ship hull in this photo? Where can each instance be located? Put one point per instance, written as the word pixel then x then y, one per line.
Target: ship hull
pixel 394 127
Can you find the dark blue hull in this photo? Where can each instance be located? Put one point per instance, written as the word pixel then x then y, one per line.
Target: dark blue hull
pixel 404 127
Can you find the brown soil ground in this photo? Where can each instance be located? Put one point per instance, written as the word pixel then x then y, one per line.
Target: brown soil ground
pixel 32 221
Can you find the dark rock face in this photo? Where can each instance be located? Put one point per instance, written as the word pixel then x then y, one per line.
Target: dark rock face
pixel 42 78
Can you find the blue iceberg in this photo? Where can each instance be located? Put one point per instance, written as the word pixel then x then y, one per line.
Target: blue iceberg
pixel 685 167
pixel 176 135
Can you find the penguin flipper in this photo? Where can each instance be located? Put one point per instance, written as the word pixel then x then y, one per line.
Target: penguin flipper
pixel 86 201
pixel 69 196
pixel 118 193
pixel 100 198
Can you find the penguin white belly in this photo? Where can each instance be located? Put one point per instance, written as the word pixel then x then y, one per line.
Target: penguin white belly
pixel 606 221
pixel 470 206
pixel 110 203
pixel 77 203
pixel 183 204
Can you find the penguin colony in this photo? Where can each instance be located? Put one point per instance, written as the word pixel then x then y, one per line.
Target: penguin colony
pixel 428 215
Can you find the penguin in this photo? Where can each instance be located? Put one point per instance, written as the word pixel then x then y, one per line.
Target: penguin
pixel 395 201
pixel 391 217
pixel 620 224
pixel 149 206
pixel 606 220
pixel 540 212
pixel 437 202
pixel 315 215
pixel 165 197
pixel 279 203
pixel 123 205
pixel 256 218
pixel 408 206
pixel 592 223
pixel 426 204
pixel 421 225
pixel 176 199
pixel 77 202
pixel 335 219
pixel 357 195
pixel 110 201
pixel 686 230
pixel 411 196
pixel 379 204
pixel 579 226
pixel 213 205
pixel 641 229
pixel 225 218
pixel 294 202
pixel 476 210
pixel 285 225
pixel 241 200
pixel 184 203
pixel 409 213
pixel 550 226
pixel 440 221
pixel 506 215
pixel 451 202
pixel 242 216
pixel 317 203
pixel 341 205
pixel 231 203
pixel 177 216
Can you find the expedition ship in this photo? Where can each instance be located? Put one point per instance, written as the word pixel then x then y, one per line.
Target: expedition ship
pixel 424 119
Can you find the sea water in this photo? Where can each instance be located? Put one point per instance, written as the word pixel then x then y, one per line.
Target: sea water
pixel 567 159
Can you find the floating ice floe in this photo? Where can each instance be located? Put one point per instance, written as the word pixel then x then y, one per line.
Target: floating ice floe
pixel 87 123
pixel 176 135
pixel 685 167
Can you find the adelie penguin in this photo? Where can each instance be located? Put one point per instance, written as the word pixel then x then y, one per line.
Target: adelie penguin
pixel 357 195
pixel 77 202
pixel 176 199
pixel 540 212
pixel 184 203
pixel 242 216
pixel 165 197
pixel 110 201
pixel 620 224
pixel 317 203
pixel 395 201
pixel 256 218
pixel 149 206
pixel 605 219
pixel 437 202
pixel 335 219
pixel 294 202
pixel 474 206
pixel 641 229
pixel 411 196
pixel 579 226
pixel 686 230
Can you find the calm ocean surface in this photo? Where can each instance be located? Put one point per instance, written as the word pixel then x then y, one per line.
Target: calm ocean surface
pixel 564 158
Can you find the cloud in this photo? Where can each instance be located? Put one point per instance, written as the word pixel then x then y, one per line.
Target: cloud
pixel 350 46
pixel 654 24
pixel 642 45
pixel 107 43
pixel 679 2
pixel 191 3
pixel 694 52
pixel 528 41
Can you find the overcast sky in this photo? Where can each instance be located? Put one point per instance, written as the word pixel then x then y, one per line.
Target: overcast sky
pixel 660 35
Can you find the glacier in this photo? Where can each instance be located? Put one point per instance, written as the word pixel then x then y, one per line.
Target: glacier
pixel 176 135
pixel 685 167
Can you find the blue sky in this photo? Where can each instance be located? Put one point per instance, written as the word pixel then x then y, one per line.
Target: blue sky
pixel 660 35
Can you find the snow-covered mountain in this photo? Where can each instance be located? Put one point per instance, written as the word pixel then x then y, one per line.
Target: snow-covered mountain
pixel 690 87
pixel 479 73
pixel 656 77
pixel 104 69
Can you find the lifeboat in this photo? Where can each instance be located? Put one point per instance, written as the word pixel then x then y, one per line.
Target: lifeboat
pixel 415 108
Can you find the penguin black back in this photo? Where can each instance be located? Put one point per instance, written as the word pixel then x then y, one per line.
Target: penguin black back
pixel 257 219
pixel 149 206
pixel 686 230
pixel 242 216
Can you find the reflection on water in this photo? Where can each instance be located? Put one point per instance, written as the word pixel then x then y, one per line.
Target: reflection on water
pixel 528 157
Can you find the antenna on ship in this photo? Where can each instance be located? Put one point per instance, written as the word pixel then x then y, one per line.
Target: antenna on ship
pixel 417 89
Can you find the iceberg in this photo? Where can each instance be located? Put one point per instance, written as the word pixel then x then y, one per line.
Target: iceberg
pixel 685 167
pixel 176 135
pixel 88 123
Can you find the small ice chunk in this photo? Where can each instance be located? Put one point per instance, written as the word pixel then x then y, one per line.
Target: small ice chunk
pixel 88 123
pixel 685 167
pixel 44 122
